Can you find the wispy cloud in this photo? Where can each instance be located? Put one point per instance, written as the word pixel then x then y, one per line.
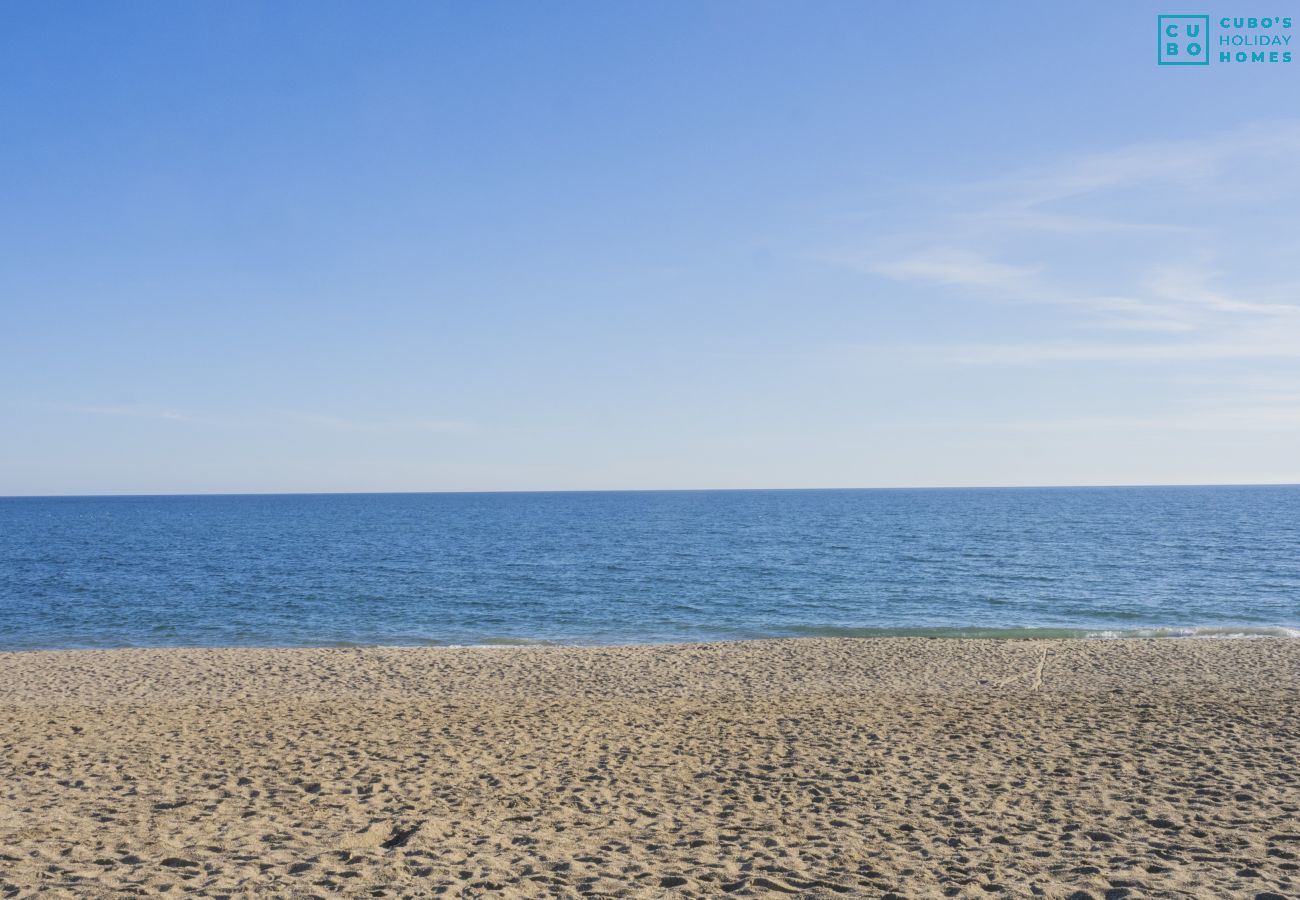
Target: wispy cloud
pixel 1259 346
pixel 128 410
pixel 1184 164
pixel 1150 238
pixel 311 419
pixel 343 423
pixel 958 268
pixel 1032 219
pixel 1231 418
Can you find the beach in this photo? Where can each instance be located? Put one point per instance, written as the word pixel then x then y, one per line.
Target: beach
pixel 812 767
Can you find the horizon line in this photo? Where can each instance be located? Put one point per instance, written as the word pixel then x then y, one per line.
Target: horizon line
pixel 950 487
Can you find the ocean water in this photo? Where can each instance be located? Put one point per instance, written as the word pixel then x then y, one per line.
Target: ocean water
pixel 627 567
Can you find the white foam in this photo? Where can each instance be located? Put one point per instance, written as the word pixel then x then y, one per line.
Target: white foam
pixel 1200 632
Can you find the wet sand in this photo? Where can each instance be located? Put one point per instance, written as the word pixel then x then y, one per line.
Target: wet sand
pixel 838 768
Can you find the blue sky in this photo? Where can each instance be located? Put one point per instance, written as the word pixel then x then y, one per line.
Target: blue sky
pixel 515 246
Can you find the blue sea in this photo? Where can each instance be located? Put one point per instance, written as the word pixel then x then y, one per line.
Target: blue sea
pixel 633 567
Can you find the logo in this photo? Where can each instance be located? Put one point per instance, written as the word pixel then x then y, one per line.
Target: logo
pixel 1184 40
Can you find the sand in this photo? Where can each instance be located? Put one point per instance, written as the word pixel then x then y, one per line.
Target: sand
pixel 837 768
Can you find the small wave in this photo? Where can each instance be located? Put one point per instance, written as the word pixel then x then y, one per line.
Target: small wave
pixel 1200 632
pixel 1009 632
pixel 1046 632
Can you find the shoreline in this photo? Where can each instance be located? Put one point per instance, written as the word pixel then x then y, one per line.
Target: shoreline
pixel 1159 633
pixel 809 767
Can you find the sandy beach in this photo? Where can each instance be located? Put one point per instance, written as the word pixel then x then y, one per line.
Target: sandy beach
pixel 908 767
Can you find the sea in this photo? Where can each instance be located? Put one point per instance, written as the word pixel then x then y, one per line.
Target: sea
pixel 470 569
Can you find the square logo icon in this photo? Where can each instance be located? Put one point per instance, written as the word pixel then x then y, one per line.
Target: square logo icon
pixel 1183 40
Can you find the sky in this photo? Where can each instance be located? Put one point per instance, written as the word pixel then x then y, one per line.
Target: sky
pixel 320 246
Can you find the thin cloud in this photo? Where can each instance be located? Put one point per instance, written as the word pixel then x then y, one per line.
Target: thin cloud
pixel 1185 163
pixel 955 267
pixel 342 423
pixel 128 410
pixel 1228 418
pixel 1270 346
pixel 1065 235
pixel 1035 220
pixel 444 426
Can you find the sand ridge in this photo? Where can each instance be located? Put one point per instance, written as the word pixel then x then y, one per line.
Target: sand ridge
pixel 811 767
